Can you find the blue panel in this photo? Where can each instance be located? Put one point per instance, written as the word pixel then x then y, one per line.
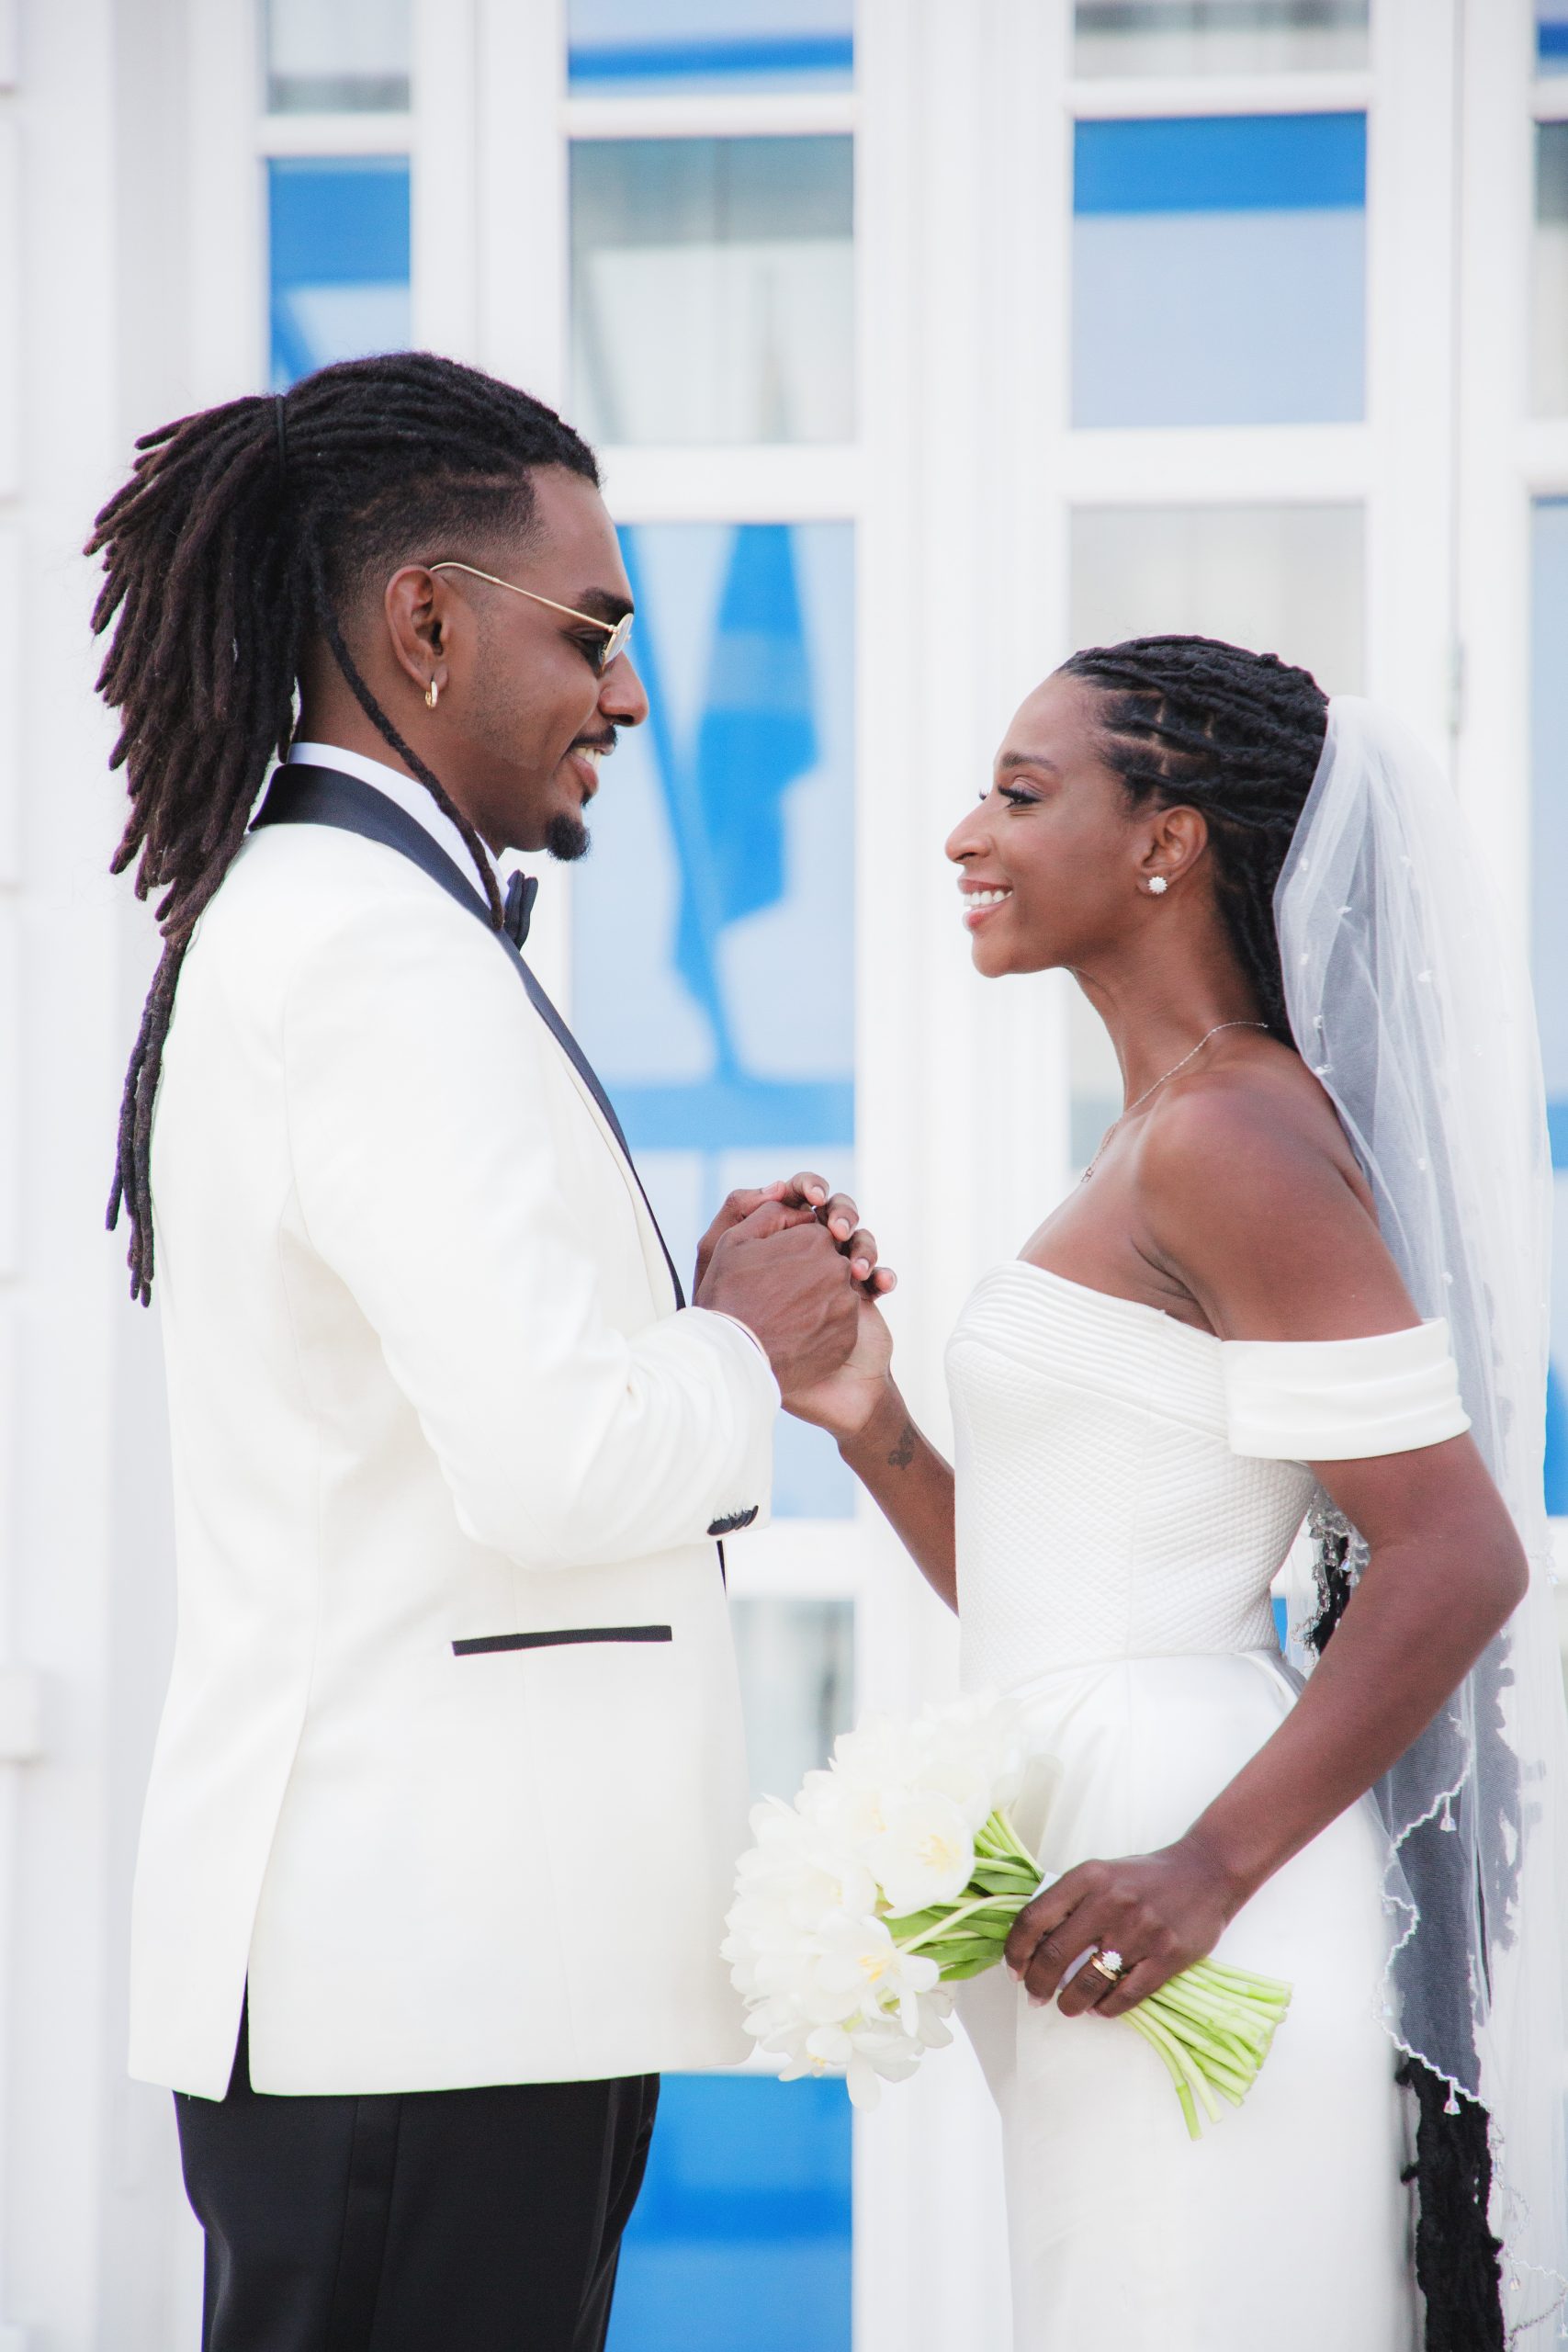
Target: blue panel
pixel 1219 271
pixel 1283 162
pixel 681 61
pixel 639 45
pixel 1556 1446
pixel 1549 853
pixel 714 925
pixel 339 256
pixel 1551 36
pixel 741 2239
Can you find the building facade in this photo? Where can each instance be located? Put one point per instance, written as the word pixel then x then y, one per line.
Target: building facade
pixel 922 339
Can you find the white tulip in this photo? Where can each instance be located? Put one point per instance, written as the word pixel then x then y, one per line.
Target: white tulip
pixel 926 1854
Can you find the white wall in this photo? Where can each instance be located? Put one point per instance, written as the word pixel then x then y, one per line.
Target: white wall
pixel 95 2249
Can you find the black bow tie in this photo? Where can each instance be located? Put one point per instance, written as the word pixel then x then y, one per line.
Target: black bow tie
pixel 521 892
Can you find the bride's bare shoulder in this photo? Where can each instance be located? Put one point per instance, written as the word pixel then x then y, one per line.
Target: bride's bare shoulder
pixel 1249 1168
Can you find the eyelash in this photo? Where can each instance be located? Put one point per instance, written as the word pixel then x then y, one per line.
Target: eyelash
pixel 1015 798
pixel 591 650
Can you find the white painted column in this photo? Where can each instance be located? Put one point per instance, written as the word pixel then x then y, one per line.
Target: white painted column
pixel 95 2250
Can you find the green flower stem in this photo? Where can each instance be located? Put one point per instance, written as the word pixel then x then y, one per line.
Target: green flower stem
pixel 1212 2025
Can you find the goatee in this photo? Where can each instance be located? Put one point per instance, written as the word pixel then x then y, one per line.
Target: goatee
pixel 567 838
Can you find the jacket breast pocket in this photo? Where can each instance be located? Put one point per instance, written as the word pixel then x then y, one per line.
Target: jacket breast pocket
pixel 559 1637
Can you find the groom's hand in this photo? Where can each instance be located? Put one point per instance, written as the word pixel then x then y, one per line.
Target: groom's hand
pixel 836 1211
pixel 780 1272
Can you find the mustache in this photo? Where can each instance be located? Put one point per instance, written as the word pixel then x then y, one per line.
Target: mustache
pixel 606 742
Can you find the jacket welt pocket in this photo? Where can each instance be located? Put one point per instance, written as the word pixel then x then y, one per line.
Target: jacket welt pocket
pixel 559 1637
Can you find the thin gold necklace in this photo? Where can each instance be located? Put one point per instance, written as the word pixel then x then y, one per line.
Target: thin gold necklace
pixel 1131 1107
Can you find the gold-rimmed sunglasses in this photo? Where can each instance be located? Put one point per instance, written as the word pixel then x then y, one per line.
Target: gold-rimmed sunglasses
pixel 616 632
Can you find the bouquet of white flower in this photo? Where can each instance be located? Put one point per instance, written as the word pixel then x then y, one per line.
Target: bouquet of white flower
pixel 896 1872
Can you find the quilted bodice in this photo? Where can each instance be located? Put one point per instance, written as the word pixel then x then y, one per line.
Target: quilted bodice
pixel 1101 1511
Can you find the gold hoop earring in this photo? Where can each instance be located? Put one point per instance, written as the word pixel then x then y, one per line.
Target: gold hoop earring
pixel 432 695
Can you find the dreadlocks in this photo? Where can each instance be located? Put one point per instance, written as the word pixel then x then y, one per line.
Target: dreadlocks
pixel 241 535
pixel 1237 735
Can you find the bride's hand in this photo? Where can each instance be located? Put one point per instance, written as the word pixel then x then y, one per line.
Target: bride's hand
pixel 845 1402
pixel 807 1191
pixel 1160 1913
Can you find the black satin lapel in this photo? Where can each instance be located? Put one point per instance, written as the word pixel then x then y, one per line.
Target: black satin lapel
pixel 300 794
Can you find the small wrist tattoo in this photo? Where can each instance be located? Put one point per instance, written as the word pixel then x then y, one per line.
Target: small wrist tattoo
pixel 903 1453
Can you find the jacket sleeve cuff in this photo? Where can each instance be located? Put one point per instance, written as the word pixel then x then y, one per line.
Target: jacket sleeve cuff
pixel 744 1499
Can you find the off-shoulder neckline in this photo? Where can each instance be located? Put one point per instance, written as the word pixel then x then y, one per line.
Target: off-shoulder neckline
pixel 1114 1298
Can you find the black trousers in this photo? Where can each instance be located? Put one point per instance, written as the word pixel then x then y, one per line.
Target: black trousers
pixel 476 2220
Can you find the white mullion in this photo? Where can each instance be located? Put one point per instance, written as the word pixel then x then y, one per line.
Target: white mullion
pixel 1412 198
pixel 520 245
pixel 740 114
pixel 349 134
pixel 523 227
pixel 1143 96
pixel 1493 569
pixel 225 213
pixel 1542 454
pixel 444 188
pixel 751 483
pixel 1212 465
pixel 1022 428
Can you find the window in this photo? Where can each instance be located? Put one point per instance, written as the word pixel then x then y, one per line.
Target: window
pixel 1218 36
pixel 740 2240
pixel 713 289
pixel 797 1661
pixel 337 56
pixel 1549 858
pixel 1218 270
pixel 339 248
pixel 1284 579
pixel 1550 323
pixel 714 925
pixel 626 46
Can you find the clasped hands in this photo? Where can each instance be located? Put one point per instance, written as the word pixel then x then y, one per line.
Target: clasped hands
pixel 793 1261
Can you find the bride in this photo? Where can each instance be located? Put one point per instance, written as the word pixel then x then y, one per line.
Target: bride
pixel 1304 1274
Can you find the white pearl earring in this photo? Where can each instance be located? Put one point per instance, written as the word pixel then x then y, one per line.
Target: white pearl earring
pixel 1159 886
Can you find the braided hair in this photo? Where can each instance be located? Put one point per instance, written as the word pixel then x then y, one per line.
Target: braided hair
pixel 242 535
pixel 1237 735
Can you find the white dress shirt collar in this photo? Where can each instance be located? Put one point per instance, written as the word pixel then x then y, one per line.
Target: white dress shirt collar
pixel 409 794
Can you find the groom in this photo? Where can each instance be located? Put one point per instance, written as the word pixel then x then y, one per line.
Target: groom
pixel 449 1783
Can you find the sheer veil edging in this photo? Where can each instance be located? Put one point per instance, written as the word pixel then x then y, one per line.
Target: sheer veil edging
pixel 1409 996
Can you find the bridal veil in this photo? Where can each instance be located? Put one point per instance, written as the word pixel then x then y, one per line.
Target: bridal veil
pixel 1409 996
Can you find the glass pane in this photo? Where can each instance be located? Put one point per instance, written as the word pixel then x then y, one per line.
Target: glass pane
pixel 1551 36
pixel 740 2239
pixel 798 1678
pixel 337 56
pixel 1285 580
pixel 339 252
pixel 1219 265
pixel 1550 324
pixel 1548 862
pixel 646 45
pixel 1219 36
pixel 713 289
pixel 713 928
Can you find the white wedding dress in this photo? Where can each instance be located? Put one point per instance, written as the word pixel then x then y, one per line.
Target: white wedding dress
pixel 1127 1488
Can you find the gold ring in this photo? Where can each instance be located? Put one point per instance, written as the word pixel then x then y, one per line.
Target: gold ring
pixel 1110 1965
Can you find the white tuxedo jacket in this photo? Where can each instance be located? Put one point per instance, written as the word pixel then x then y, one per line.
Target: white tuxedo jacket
pixel 451 1765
